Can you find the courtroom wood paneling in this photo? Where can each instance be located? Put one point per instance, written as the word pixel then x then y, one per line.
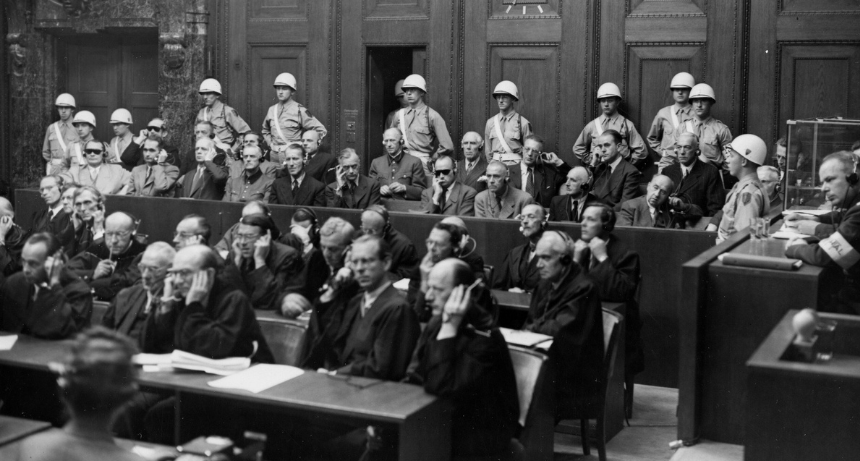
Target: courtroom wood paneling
pixel 819 6
pixel 266 62
pixel 140 81
pixel 278 9
pixel 819 81
pixel 396 9
pixel 650 72
pixel 536 68
pixel 94 79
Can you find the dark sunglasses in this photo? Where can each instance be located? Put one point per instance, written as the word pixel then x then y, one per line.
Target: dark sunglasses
pixel 442 172
pixel 154 128
pixel 93 151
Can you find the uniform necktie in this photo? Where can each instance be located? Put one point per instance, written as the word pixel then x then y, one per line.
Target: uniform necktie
pixel 530 183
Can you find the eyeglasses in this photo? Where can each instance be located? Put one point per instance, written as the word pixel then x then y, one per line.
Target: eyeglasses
pixel 184 273
pixel 442 172
pixel 93 151
pixel 184 235
pixel 143 268
pixel 154 128
pixel 121 234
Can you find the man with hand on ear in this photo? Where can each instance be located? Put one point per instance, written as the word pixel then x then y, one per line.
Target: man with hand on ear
pixel 577 195
pixel 155 178
pixel 264 269
pixel 448 196
pixel 400 175
pixel 11 240
pixel 841 246
pixel 519 272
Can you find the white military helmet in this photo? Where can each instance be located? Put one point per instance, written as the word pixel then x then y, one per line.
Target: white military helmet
pixel 286 79
pixel 398 88
pixel 85 116
pixel 507 87
pixel 210 85
pixel 703 91
pixel 65 100
pixel 414 81
pixel 608 90
pixel 751 147
pixel 682 80
pixel 121 116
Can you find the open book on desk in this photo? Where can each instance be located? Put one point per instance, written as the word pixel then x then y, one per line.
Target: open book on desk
pixel 188 361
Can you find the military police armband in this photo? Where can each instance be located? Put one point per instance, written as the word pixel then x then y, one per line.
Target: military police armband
pixel 840 251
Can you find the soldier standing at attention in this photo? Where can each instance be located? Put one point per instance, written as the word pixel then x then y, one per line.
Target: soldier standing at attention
pixel 713 135
pixel 84 123
pixel 121 122
pixel 632 148
pixel 661 136
pixel 60 135
pixel 229 127
pixel 506 131
pixel 424 131
pixel 748 198
pixel 401 98
pixel 287 120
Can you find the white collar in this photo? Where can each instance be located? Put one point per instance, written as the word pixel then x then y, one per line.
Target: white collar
pixel 614 164
pixel 370 297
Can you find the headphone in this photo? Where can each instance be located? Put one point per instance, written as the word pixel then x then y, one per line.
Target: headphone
pixel 315 227
pixel 852 178
pixel 381 211
pixel 566 258
pixel 543 223
pixel 586 186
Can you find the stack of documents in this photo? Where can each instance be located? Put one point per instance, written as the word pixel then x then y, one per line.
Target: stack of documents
pixel 189 361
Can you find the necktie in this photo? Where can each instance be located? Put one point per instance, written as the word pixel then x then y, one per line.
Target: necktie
pixel 295 186
pixel 530 183
pixel 469 166
pixel 683 173
pixel 94 174
pixel 197 178
pixel 365 307
pixel 498 210
pixel 574 211
pixel 653 216
pixel 148 173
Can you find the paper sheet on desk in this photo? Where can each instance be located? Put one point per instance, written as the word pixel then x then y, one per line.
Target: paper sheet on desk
pixel 786 235
pixel 258 378
pixel 6 342
pixel 523 338
pixel 807 212
pixel 402 285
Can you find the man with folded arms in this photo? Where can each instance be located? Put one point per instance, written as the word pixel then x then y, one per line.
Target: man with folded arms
pixel 45 299
pixel 260 266
pixel 566 306
pixel 110 265
pixel 462 356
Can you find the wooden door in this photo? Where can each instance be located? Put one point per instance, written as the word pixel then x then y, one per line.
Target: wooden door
pixel 264 38
pixel 804 62
pixel 108 72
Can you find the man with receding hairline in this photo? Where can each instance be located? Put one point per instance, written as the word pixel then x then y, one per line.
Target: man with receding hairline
pixel 615 179
pixel 53 218
pixel 696 182
pixel 519 271
pixel 471 169
pixel 351 189
pixel 206 181
pixel 321 165
pixel 575 196
pixel 252 184
pixel 447 196
pixel 658 208
pixel 400 175
pixel 500 200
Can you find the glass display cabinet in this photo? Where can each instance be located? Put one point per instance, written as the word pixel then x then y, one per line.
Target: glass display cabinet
pixel 807 143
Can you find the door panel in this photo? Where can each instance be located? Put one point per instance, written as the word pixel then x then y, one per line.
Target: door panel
pixel 819 81
pixel 140 83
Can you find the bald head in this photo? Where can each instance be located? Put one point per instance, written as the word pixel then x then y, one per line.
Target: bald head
pixel 534 209
pixel 160 253
pixel 445 275
pixel 119 221
pixel 577 177
pixel 659 190
pixel 6 208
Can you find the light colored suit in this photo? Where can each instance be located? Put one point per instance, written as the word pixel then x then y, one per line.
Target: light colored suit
pixel 512 205
pixel 160 183
pixel 111 177
pixel 460 201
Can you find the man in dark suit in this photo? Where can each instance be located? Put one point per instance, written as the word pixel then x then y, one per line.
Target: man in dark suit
pixel 376 221
pixel 379 328
pixel 519 272
pixel 264 269
pixel 203 130
pixel 298 187
pixel 657 208
pixel 575 196
pixel 566 306
pixel 539 174
pixel 616 271
pixel 352 189
pixel 45 299
pixel 462 356
pixel 615 179
pixel 500 200
pixel 321 165
pixel 446 195
pixel 156 130
pixel 54 218
pixel 696 182
pixel 128 311
pixel 207 180
pixel 400 175
pixel 474 164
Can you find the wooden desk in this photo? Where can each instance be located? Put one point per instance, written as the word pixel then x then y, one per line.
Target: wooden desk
pixel 729 311
pixel 417 415
pixel 14 429
pixel 11 449
pixel 801 410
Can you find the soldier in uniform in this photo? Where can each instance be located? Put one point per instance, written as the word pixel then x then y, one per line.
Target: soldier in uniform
pixel 401 98
pixel 506 131
pixel 747 200
pixel 123 142
pixel 60 135
pixel 632 146
pixel 839 184
pixel 84 123
pixel 229 126
pixel 287 120
pixel 713 135
pixel 661 136
pixel 424 131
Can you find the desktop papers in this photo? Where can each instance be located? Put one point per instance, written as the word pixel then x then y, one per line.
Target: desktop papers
pixel 523 338
pixel 258 378
pixel 6 342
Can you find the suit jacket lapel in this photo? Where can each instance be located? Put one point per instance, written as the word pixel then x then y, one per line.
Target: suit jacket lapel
pixel 361 189
pixel 124 311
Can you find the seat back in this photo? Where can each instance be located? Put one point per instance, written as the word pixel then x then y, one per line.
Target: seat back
pixel 99 310
pixel 489 273
pixel 535 392
pixel 611 328
pixel 285 339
